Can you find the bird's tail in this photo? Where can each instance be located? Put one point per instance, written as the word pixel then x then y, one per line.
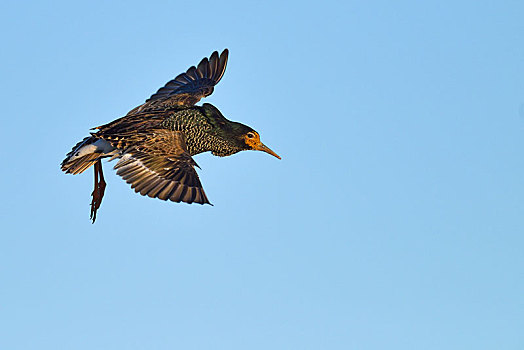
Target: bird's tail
pixel 84 154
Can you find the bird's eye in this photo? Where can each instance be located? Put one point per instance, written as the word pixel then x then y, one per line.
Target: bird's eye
pixel 250 135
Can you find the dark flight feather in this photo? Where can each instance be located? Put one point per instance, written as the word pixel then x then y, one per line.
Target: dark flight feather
pixel 197 82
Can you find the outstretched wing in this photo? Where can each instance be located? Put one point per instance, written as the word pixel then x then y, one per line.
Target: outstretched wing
pixel 159 166
pixel 189 87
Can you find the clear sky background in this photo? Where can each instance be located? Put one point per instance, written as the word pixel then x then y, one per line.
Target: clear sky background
pixel 393 221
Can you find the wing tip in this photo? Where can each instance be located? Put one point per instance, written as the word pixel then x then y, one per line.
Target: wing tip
pixel 210 68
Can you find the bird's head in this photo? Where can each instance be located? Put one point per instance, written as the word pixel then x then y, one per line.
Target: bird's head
pixel 251 138
pixel 242 136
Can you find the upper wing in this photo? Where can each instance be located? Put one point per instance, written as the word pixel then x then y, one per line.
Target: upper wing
pixel 189 87
pixel 159 166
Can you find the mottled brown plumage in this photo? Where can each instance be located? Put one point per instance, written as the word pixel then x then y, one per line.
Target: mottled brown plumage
pixel 155 141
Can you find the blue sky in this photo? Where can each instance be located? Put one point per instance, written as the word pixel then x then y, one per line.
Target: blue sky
pixel 393 221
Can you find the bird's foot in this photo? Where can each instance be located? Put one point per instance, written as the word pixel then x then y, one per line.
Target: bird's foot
pixel 98 194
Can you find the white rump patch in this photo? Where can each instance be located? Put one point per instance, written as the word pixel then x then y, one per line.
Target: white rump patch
pixel 99 146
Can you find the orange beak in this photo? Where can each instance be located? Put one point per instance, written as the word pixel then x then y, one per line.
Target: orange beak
pixel 261 147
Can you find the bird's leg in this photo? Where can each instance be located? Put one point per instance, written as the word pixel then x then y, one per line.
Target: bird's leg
pixel 98 192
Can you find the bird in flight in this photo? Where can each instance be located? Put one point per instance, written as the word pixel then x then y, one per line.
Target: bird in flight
pixel 156 141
